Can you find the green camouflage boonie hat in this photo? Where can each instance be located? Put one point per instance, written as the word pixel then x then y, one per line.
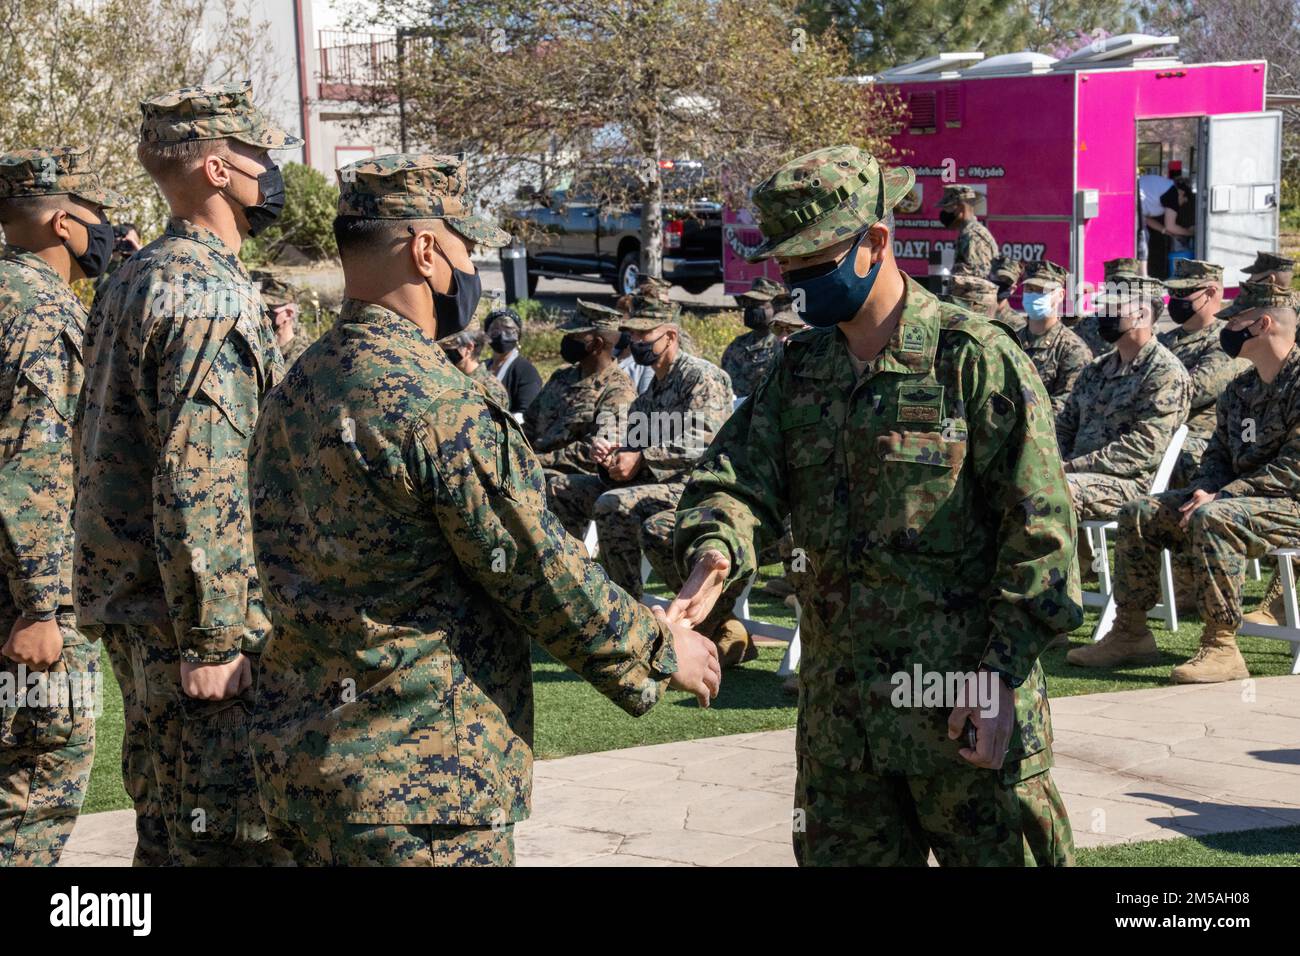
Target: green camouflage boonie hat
pixel 1121 288
pixel 1259 295
pixel 1046 274
pixel 1193 274
pixel 274 292
pixel 763 290
pixel 823 197
pixel 956 194
pixel 221 111
pixel 1121 267
pixel 647 314
pixel 415 186
pixel 55 171
pixel 1006 270
pixel 973 291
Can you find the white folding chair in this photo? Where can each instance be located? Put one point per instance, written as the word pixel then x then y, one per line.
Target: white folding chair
pixel 1096 532
pixel 1289 631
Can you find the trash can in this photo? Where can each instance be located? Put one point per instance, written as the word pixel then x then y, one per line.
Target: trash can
pixel 514 272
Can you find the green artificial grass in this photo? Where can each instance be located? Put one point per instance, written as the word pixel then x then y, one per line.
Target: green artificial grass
pixel 1272 847
pixel 572 718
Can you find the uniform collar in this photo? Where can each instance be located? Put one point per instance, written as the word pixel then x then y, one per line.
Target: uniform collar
pixel 916 337
pixel 184 229
pixel 1287 374
pixel 1116 364
pixel 397 329
pixel 34 262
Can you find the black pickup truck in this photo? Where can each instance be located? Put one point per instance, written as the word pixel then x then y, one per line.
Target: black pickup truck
pixel 581 231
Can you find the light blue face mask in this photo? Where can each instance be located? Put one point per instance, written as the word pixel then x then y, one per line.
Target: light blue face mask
pixel 1038 305
pixel 832 293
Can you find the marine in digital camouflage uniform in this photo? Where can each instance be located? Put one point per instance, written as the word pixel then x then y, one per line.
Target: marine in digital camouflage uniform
pixel 928 498
pixel 1057 353
pixel 282 309
pixel 1121 416
pixel 1211 369
pixel 179 354
pixel 409 559
pixel 1086 327
pixel 1248 489
pixel 748 357
pixel 582 401
pixel 976 248
pixel 1006 273
pixel 47 740
pixel 973 293
pixel 669 425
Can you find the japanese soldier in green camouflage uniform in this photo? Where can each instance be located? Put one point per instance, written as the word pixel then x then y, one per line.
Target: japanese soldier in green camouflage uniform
pixel 748 357
pixel 51 210
pixel 282 312
pixel 976 248
pixel 409 560
pixel 912 445
pixel 1243 501
pixel 1006 273
pixel 582 401
pixel 1196 297
pixel 1123 410
pixel 179 353
pixel 1057 353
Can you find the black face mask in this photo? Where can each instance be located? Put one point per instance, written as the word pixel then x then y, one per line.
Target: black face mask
pixel 270 186
pixel 99 246
pixel 1004 292
pixel 643 353
pixel 1108 328
pixel 947 217
pixel 624 340
pixel 1231 342
pixel 758 316
pixel 454 311
pixel 572 349
pixel 454 356
pixel 502 344
pixel 1180 310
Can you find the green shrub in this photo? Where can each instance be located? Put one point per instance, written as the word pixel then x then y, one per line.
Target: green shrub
pixel 307 222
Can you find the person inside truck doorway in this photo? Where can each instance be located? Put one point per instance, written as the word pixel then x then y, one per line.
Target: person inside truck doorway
pixel 1173 227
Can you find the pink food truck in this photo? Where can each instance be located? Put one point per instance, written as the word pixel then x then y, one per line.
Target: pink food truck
pixel 1056 148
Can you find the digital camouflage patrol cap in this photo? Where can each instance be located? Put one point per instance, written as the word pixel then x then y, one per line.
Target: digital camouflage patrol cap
pixel 1046 274
pixel 648 313
pixel 973 292
pixel 221 111
pixel 1121 288
pixel 763 290
pixel 593 317
pixel 53 171
pixel 824 197
pixel 956 194
pixel 1259 295
pixel 1006 270
pixel 1121 267
pixel 415 186
pixel 1194 274
pixel 275 293
pixel 788 321
pixel 1269 262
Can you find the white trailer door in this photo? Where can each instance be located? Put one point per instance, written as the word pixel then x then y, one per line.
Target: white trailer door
pixel 1239 189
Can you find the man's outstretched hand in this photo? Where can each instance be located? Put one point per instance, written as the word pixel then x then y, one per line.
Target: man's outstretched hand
pixel 698 670
pixel 702 589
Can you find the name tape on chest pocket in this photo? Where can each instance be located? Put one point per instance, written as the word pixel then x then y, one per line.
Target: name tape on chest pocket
pixel 920 403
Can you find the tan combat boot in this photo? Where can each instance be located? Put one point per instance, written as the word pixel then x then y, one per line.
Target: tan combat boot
pixel 735 646
pixel 1272 609
pixel 1217 661
pixel 1130 641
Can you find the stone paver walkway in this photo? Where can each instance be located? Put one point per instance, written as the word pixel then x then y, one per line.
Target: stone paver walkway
pixel 1135 765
